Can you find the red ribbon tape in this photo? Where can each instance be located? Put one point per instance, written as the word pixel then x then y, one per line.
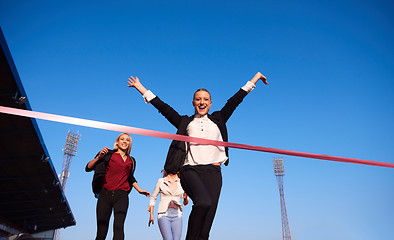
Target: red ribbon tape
pixel 151 133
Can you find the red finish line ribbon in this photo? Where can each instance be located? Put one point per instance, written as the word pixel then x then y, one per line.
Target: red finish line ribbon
pixel 151 133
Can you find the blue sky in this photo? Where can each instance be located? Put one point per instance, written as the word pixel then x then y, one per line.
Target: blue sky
pixel 330 65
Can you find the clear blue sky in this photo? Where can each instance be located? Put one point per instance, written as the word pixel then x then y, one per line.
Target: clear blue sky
pixel 330 65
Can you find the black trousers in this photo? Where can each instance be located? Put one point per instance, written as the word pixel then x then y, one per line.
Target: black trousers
pixel 202 184
pixel 108 200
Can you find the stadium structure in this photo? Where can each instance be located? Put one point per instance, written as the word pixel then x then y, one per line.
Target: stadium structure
pixel 32 201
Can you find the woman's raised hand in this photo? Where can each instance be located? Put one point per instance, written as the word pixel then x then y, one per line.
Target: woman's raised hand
pixel 135 83
pixel 259 76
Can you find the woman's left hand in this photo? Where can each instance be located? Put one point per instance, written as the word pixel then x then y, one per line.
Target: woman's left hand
pixel 143 192
pixel 185 199
pixel 259 76
pixel 140 191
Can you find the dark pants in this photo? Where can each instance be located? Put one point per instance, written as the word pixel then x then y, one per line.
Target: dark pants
pixel 108 200
pixel 202 184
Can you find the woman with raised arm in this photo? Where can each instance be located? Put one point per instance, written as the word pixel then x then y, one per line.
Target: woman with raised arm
pixel 170 213
pixel 199 165
pixel 112 182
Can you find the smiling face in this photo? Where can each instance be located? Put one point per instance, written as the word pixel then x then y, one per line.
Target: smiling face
pixel 202 102
pixel 123 142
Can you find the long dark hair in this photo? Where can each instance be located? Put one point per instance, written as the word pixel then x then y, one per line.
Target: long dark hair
pixel 165 174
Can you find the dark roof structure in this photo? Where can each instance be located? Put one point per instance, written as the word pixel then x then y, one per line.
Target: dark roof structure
pixel 31 196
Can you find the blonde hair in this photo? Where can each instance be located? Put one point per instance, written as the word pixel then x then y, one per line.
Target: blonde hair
pixel 117 140
pixel 204 90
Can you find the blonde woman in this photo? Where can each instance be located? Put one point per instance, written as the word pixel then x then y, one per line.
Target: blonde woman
pixel 199 165
pixel 112 182
pixel 170 209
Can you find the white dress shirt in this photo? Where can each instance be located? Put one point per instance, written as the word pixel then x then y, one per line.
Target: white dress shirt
pixel 203 127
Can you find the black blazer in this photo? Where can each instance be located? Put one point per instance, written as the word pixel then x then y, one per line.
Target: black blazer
pixel 100 172
pixel 177 151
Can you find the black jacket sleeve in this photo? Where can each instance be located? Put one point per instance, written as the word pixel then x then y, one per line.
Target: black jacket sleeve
pixel 167 111
pixel 232 104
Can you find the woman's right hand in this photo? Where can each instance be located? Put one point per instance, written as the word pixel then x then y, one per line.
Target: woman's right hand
pixel 135 83
pixel 103 152
pixel 151 221
pixel 151 218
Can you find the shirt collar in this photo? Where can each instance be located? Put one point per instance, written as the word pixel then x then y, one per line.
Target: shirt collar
pixel 168 180
pixel 202 117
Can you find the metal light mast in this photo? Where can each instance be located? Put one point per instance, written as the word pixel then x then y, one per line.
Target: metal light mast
pixel 69 151
pixel 279 173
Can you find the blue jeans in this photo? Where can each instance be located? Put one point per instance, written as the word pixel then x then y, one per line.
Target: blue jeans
pixel 170 225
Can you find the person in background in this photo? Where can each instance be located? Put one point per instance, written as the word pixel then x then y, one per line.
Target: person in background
pixel 170 209
pixel 112 182
pixel 199 165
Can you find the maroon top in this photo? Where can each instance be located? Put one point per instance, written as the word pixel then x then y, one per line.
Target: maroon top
pixel 118 172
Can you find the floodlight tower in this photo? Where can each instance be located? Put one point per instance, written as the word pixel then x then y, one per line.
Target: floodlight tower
pixel 69 151
pixel 279 173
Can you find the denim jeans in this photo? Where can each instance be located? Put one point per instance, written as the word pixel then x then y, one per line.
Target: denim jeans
pixel 170 225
